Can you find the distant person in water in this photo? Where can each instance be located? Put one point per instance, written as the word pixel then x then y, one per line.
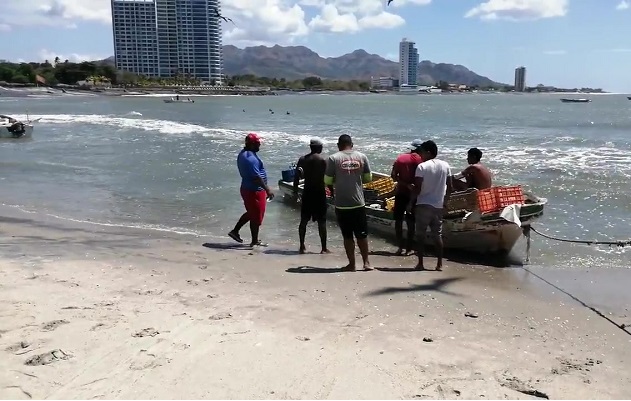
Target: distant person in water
pixel 432 188
pixel 476 175
pixel 254 190
pixel 311 168
pixel 403 171
pixel 347 171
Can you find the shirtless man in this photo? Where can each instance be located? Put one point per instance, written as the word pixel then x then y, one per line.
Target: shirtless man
pixel 477 175
pixel 311 167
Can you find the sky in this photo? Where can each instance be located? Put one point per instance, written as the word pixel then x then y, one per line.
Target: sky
pixel 566 43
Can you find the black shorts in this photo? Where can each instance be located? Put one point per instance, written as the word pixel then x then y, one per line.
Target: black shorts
pixel 401 202
pixel 313 206
pixel 352 222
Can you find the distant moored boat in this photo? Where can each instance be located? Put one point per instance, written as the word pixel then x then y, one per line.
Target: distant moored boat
pixel 574 100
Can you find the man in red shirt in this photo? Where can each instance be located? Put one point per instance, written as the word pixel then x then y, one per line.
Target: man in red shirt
pixel 403 171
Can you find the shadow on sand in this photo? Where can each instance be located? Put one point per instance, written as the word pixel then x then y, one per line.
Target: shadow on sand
pixel 319 270
pixel 225 245
pixel 465 258
pixel 436 285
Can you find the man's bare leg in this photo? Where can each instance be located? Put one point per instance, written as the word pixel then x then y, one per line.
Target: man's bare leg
pixel 420 250
pixel 349 247
pixel 254 229
pixel 323 234
pixel 411 225
pixel 363 249
pixel 302 232
pixel 438 243
pixel 243 220
pixel 398 229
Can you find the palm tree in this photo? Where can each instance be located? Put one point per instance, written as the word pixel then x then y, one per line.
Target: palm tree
pixel 57 60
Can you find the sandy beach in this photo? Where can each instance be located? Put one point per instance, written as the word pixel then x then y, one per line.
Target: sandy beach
pixel 91 311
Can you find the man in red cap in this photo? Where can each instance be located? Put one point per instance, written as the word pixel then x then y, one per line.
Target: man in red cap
pixel 254 189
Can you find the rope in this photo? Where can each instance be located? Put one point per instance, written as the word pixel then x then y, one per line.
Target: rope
pixel 526 231
pixel 620 243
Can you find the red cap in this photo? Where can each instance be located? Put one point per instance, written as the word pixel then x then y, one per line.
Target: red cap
pixel 253 138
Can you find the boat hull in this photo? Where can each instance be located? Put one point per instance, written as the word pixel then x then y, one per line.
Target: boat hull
pixel 5 133
pixel 178 101
pixel 490 235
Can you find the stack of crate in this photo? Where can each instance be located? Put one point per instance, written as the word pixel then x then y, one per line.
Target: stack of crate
pixel 383 186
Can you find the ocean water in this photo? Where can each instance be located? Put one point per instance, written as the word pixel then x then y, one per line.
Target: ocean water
pixel 138 162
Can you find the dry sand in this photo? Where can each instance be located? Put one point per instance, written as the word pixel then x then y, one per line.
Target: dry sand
pixel 102 312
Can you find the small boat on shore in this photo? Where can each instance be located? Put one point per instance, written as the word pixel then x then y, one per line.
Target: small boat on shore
pixel 14 129
pixel 628 97
pixel 574 100
pixel 495 230
pixel 177 100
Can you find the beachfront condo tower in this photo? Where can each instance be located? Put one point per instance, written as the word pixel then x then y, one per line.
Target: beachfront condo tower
pixel 167 38
pixel 408 63
pixel 520 79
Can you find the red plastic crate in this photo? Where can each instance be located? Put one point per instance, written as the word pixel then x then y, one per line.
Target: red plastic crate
pixel 509 195
pixel 487 200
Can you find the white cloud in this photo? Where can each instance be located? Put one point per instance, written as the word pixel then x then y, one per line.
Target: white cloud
pixel 65 13
pixel 45 54
pixel 351 16
pixel 516 10
pixel 555 52
pixel 255 21
pixel 623 5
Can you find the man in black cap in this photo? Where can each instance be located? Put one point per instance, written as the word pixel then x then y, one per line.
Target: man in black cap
pixel 312 167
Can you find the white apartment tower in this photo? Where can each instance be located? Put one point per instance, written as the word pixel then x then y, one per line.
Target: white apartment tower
pixel 408 63
pixel 164 38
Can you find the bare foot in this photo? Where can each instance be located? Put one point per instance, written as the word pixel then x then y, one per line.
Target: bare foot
pixel 349 268
pixel 325 250
pixel 302 250
pixel 399 252
pixel 409 252
pixel 367 266
pixel 419 267
pixel 439 268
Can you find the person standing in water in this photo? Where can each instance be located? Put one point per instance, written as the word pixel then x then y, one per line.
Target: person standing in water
pixel 403 171
pixel 347 171
pixel 254 189
pixel 312 167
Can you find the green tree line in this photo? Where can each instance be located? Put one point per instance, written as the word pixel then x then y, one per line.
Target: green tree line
pixel 70 73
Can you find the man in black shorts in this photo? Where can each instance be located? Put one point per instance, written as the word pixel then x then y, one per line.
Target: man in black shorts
pixel 348 170
pixel 311 167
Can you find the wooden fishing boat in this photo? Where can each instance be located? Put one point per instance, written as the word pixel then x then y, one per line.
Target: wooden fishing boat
pixel 575 100
pixel 484 222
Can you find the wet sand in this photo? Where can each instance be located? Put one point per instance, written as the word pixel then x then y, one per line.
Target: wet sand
pixel 103 312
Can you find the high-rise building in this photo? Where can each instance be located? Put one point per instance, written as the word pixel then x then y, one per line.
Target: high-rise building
pixel 165 38
pixel 408 63
pixel 520 79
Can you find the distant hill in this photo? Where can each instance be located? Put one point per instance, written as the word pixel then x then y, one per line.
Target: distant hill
pixel 295 62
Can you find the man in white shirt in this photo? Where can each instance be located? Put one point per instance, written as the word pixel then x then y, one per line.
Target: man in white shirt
pixel 432 188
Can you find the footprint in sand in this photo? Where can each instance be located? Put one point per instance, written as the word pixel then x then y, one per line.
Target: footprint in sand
pixel 221 316
pixel 48 358
pixel 148 361
pixel 17 348
pixel 148 332
pixel 52 325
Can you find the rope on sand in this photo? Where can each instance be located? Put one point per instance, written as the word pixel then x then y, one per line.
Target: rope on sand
pixel 622 243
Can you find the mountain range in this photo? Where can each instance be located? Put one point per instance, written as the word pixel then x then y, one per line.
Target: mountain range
pixel 296 62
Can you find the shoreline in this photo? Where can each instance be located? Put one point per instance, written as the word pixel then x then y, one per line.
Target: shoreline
pixel 132 307
pixel 12 92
